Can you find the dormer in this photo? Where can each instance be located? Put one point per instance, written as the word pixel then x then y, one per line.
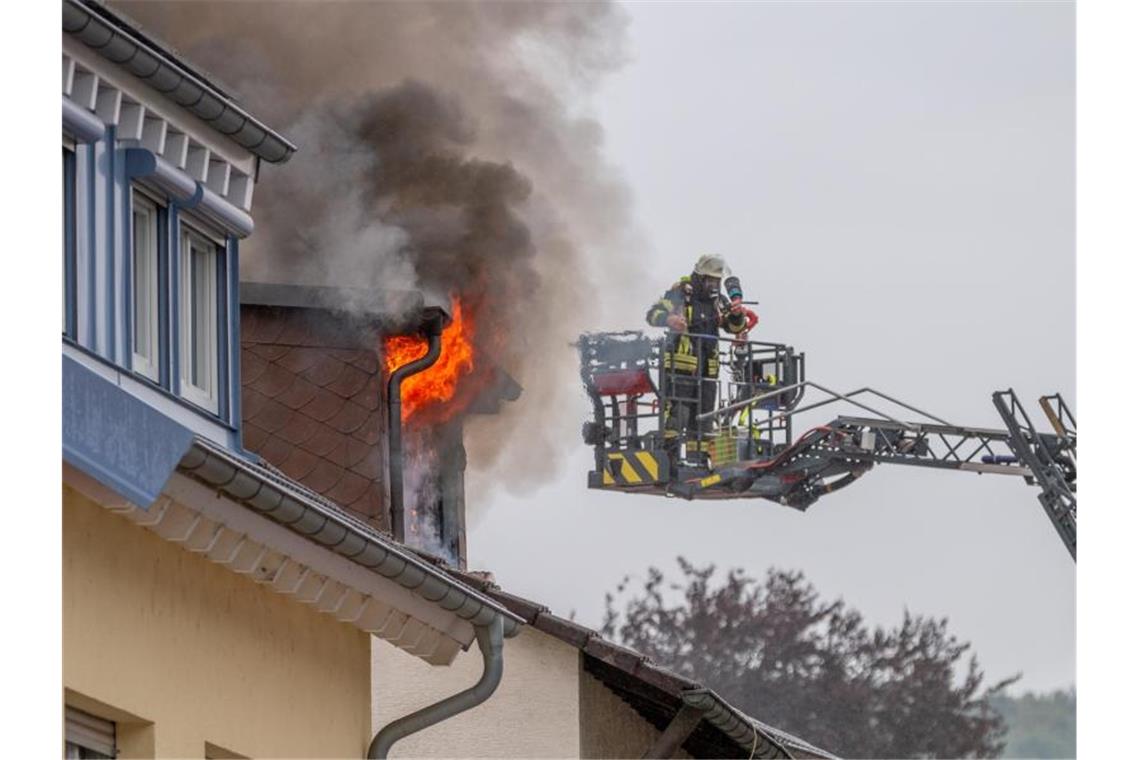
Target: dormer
pixel 159 168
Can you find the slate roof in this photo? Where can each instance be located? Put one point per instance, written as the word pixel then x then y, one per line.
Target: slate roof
pixel 311 404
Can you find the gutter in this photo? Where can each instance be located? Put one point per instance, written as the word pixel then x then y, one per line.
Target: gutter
pixel 432 326
pixel 491 645
pixel 112 37
pixel 190 193
pixel 754 737
pixel 274 497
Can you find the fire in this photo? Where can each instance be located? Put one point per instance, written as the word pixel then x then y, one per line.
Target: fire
pixel 436 384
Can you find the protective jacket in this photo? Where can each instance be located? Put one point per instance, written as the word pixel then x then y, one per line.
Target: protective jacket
pixel 705 317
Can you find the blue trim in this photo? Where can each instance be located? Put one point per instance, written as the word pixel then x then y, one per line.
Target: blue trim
pixel 112 249
pixel 92 247
pixel 69 247
pixel 232 268
pixel 223 333
pixel 116 438
pixel 174 222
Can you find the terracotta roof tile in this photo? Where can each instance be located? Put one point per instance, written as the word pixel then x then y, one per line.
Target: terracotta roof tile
pixel 299 393
pixel 369 432
pixel 324 371
pixel 357 450
pixel 323 406
pixel 252 436
pixel 324 476
pixel 293 333
pixel 350 382
pixel 272 415
pixel 298 359
pixel 371 505
pixel 298 429
pixel 349 418
pixel 252 402
pixel 349 489
pixel 328 444
pixel 369 361
pixel 275 450
pixel 275 380
pixel 268 351
pixel 263 326
pixel 369 396
pixel 372 465
pixel 252 366
pixel 299 464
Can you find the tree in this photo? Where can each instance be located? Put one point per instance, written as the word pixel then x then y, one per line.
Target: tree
pixel 1040 725
pixel 779 653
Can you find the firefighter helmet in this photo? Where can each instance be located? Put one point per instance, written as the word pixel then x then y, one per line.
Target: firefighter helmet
pixel 710 266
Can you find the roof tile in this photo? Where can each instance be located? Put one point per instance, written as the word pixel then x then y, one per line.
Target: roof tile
pixel 349 488
pixel 324 476
pixel 299 464
pixel 350 381
pixel 329 444
pixel 275 380
pixel 298 359
pixel 273 415
pixel 372 465
pixel 369 432
pixel 299 393
pixel 252 436
pixel 298 429
pixel 252 366
pixel 349 418
pixel 275 450
pixel 369 396
pixel 323 406
pixel 270 352
pixel 325 371
pixel 252 402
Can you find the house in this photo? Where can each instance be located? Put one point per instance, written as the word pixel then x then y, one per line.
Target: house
pixel 242 575
pixel 212 607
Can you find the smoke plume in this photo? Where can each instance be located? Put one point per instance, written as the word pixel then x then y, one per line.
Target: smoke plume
pixel 443 147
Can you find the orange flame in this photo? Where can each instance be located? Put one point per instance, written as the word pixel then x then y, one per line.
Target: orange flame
pixel 436 384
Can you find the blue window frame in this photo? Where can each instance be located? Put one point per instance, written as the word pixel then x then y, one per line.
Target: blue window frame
pixel 70 313
pixel 203 338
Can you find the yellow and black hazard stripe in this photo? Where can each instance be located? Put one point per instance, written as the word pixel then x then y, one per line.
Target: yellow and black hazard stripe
pixel 635 468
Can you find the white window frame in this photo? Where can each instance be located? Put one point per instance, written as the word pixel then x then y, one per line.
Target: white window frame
pixel 145 267
pixel 206 306
pixel 69 266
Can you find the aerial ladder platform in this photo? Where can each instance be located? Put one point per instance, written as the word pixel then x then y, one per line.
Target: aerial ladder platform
pixel 656 430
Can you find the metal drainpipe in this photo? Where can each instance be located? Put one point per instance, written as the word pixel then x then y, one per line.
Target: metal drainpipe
pixel 432 327
pixel 490 638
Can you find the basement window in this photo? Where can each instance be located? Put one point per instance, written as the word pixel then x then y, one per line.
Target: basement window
pixel 199 305
pixel 145 236
pixel 87 736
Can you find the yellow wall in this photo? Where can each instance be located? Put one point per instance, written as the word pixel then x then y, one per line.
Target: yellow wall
pixel 533 713
pixel 197 654
pixel 610 727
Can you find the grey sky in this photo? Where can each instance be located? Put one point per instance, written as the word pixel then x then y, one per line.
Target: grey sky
pixel 894 183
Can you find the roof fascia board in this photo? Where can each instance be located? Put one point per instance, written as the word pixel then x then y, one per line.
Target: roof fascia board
pixel 183 120
pixel 111 29
pixel 239 518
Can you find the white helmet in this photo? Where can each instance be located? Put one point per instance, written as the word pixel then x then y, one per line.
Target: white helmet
pixel 711 266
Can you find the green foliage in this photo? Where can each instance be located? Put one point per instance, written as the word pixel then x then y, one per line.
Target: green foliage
pixel 1040 725
pixel 814 668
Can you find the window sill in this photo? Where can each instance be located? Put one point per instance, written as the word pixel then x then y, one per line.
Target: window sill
pixel 146 382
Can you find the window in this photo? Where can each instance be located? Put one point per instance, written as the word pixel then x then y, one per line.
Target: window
pixel 69 264
pixel 198 317
pixel 86 736
pixel 145 265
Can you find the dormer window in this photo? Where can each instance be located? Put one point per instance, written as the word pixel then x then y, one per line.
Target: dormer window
pixel 145 237
pixel 200 275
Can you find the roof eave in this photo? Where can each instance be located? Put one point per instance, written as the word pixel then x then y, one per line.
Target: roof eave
pixel 114 39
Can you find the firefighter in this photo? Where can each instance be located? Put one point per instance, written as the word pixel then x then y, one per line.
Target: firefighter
pixel 695 311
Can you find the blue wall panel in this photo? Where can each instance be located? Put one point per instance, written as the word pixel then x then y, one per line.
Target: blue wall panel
pixel 122 442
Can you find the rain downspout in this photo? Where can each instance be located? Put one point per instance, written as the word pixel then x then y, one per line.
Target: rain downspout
pixel 490 638
pixel 432 327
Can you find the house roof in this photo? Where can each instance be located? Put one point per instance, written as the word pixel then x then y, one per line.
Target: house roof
pixel 120 40
pixel 656 693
